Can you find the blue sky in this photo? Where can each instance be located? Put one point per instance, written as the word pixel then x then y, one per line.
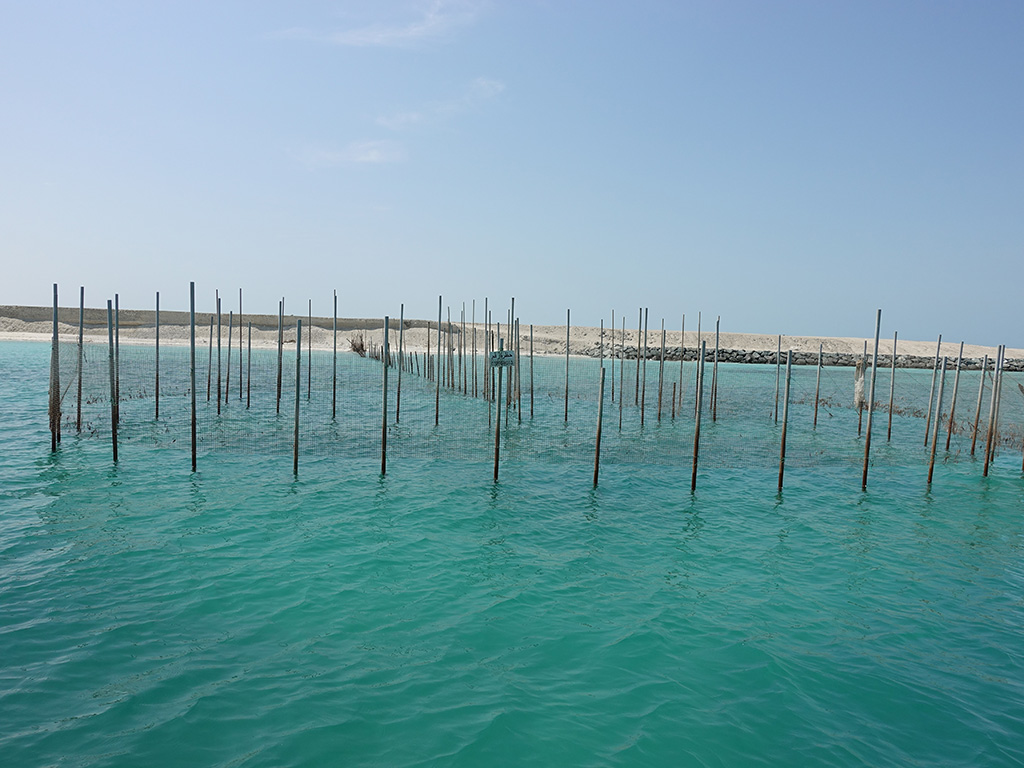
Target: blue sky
pixel 791 166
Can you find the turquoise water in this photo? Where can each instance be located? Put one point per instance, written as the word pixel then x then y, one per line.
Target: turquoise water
pixel 244 617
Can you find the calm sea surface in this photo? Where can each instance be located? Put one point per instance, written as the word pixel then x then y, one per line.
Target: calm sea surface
pixel 242 617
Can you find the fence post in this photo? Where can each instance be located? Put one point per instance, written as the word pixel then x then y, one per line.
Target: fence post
pixel 871 403
pixel 931 394
pixel 700 406
pixel 156 388
pixel 977 412
pixel 785 417
pixel 401 364
pixel 497 416
pixel 817 389
pixel 600 416
pixel 54 379
pixel 113 384
pixel 956 388
pixel 892 387
pixel 938 418
pixel 192 364
pixel 384 406
pixel 81 341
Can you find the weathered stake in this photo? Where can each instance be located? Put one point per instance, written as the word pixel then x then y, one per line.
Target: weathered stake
pixel 977 412
pixel 600 416
pixel 785 417
pixel 192 364
pixel 938 418
pixel 113 384
pixel 298 394
pixel 892 387
pixel 931 394
pixel 956 387
pixel 871 403
pixel 700 407
pixel 384 404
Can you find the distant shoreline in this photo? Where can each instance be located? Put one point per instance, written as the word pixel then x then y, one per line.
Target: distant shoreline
pixel 19 323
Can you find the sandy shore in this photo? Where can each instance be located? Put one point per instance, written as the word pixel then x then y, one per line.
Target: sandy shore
pixel 137 326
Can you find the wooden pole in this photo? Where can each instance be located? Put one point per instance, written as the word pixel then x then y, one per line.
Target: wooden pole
pixel 239 343
pixel 462 337
pixel 384 405
pixel 309 353
pixel 892 387
pixel 192 363
pixel 661 369
pixel 931 394
pixel 113 384
pixel 871 402
pixel 54 378
pixel 977 411
pixel 334 363
pixel 696 370
pixel 248 370
pixel 531 370
pixel 785 418
pixel 938 418
pixel 696 425
pixel 227 376
pixel 401 351
pixel 612 355
pixel 519 372
pixel 778 370
pixel 860 405
pixel 643 376
pixel 956 388
pixel 993 422
pixel 117 356
pixel 567 366
pixel 437 393
pixel 476 390
pixel 714 375
pixel 280 350
pixel 639 332
pixel 817 389
pixel 600 416
pixel 674 384
pixel 622 368
pixel 497 418
pixel 682 357
pixel 81 352
pixel 298 395
pixel 218 354
pixel 156 348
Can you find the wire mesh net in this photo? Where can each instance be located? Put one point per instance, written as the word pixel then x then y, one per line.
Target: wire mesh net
pixel 444 404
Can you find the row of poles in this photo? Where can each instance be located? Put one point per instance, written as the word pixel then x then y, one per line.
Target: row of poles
pixel 447 367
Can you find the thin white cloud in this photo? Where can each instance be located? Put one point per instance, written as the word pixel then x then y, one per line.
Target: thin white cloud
pixel 434 20
pixel 480 90
pixel 375 152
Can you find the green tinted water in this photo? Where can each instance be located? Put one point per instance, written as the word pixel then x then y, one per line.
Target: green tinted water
pixel 240 617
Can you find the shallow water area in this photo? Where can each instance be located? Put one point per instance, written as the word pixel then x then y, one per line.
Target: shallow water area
pixel 240 616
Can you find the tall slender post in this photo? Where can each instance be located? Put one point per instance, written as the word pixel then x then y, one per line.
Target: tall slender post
pixel 519 372
pixel 622 368
pixel 437 393
pixel 682 357
pixel 209 363
pixel 156 348
pixel 384 403
pixel 956 388
pixel 280 349
pixel 600 417
pixel 639 331
pixel 785 417
pixel 192 363
pixel 931 394
pixel 977 412
pixel 218 354
pixel 892 387
pixel 113 383
pixel 309 353
pixel 567 366
pixel 227 369
pixel 938 418
pixel 700 407
pixel 401 351
pixel 81 352
pixel 871 402
pixel 778 369
pixel 497 419
pixel 661 369
pixel 248 370
pixel 714 375
pixel 860 405
pixel 643 375
pixel 993 426
pixel 531 370
pixel 298 395
pixel 54 379
pixel 476 390
pixel 696 370
pixel 334 370
pixel 674 385
pixel 817 388
pixel 612 355
pixel 239 343
pixel 117 356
